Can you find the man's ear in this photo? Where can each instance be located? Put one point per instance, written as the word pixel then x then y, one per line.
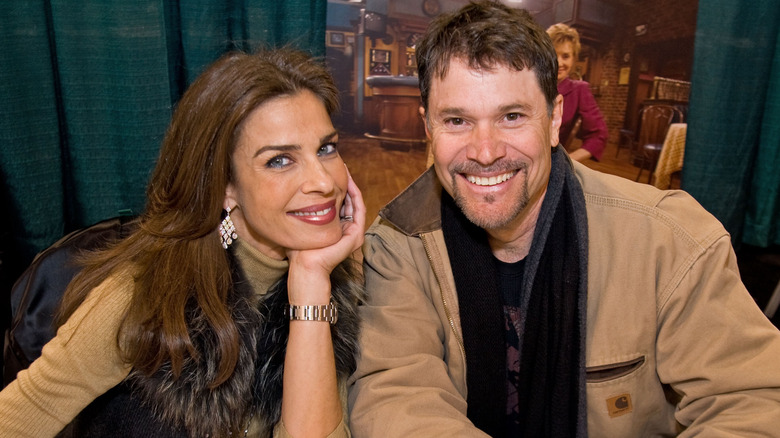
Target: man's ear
pixel 425 122
pixel 556 121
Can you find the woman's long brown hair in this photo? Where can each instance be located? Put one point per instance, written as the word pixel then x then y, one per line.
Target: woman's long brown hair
pixel 176 255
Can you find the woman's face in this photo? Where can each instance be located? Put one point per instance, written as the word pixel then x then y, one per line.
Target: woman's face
pixel 565 52
pixel 289 181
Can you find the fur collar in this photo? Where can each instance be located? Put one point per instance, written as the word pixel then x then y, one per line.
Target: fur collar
pixel 255 388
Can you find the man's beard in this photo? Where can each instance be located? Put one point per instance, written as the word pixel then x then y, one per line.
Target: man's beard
pixel 473 213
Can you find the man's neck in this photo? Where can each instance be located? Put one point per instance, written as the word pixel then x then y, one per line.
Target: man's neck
pixel 512 242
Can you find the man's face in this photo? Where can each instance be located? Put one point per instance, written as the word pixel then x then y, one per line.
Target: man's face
pixel 491 137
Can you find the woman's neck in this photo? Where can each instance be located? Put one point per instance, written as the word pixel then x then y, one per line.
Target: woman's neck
pixel 260 270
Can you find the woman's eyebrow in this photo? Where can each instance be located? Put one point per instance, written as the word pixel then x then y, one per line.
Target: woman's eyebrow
pixel 293 147
pixel 277 148
pixel 329 138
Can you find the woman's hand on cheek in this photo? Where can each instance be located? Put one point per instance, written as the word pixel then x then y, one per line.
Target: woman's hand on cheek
pixel 315 265
pixel 353 215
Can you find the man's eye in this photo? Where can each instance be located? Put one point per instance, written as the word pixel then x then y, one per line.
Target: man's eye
pixel 457 121
pixel 512 116
pixel 327 149
pixel 278 162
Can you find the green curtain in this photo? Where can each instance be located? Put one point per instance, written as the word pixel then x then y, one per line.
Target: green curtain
pixel 87 89
pixel 732 152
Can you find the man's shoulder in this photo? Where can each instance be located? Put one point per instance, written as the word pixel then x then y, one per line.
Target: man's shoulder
pixel 615 200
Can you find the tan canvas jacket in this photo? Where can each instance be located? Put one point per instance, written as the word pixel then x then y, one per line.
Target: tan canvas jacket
pixel 675 344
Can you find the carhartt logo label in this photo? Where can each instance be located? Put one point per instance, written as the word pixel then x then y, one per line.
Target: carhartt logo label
pixel 620 405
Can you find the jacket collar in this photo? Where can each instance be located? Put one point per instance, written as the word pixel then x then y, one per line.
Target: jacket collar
pixel 417 209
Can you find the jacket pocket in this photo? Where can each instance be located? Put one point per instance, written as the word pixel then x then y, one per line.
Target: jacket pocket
pixel 604 373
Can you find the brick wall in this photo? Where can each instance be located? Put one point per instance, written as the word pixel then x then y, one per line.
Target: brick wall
pixel 665 21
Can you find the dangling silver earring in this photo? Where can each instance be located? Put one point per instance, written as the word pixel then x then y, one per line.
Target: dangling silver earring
pixel 227 231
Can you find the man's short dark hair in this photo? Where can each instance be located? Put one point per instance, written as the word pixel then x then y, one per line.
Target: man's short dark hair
pixel 486 35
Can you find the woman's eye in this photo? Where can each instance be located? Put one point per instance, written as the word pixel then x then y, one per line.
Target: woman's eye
pixel 327 149
pixel 278 161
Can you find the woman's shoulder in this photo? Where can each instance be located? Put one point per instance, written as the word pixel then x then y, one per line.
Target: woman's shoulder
pixel 569 86
pixel 120 282
pixel 107 302
pixel 580 86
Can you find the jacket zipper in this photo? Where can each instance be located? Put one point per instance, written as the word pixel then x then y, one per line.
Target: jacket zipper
pixel 436 267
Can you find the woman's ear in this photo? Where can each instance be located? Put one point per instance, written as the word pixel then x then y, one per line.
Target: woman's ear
pixel 231 197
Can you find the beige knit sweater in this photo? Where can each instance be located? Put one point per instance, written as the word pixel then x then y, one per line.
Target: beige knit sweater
pixel 83 360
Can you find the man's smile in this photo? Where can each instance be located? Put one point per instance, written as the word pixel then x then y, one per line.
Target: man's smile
pixel 490 180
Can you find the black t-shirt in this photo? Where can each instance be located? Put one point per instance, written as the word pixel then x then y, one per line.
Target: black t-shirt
pixel 510 280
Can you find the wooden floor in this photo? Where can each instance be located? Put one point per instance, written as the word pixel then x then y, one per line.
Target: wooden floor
pixel 382 171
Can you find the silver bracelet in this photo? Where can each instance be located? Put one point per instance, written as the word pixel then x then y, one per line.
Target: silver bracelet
pixel 327 313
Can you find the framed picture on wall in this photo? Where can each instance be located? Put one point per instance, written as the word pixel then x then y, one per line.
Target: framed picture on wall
pixel 336 39
pixel 380 62
pixel 380 55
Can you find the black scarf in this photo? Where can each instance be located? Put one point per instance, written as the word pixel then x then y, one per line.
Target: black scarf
pixel 553 300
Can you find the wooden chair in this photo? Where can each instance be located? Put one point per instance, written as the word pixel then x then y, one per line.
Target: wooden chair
pixel 654 124
pixel 630 137
pixel 626 140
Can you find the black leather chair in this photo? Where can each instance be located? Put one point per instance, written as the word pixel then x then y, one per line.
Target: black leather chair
pixel 36 294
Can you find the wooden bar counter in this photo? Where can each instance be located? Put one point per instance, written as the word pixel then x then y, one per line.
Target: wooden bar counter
pixel 397 102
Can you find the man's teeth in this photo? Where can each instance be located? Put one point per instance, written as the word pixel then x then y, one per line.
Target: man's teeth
pixel 489 181
pixel 313 213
